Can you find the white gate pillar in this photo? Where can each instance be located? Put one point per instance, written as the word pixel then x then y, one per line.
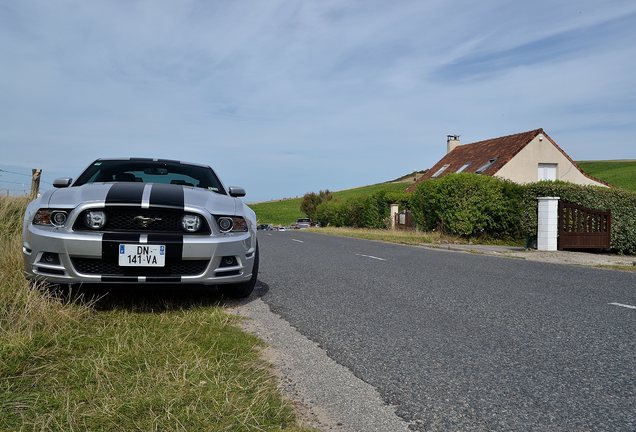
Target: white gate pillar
pixel 548 223
pixel 394 211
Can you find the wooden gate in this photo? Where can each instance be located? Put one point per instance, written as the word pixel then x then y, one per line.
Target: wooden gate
pixel 404 220
pixel 583 228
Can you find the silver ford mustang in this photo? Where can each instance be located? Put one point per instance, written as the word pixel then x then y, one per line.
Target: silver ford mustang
pixel 142 221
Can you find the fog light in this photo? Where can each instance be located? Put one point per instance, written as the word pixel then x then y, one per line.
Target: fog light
pixel 225 224
pixel 50 258
pixel 228 261
pixel 95 219
pixel 191 223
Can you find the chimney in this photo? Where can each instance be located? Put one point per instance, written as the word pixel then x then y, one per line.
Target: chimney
pixel 452 141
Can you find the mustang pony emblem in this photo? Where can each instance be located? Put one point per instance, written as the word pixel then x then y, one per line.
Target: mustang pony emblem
pixel 144 221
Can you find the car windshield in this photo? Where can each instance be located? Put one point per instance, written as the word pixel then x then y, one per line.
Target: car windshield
pixel 149 171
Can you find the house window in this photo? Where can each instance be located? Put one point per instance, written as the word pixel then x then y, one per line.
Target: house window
pixel 439 171
pixel 485 166
pixel 466 165
pixel 547 171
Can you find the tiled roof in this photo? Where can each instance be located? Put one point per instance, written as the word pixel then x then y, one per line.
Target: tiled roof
pixel 478 154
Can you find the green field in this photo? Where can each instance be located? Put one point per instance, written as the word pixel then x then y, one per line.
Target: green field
pixel 286 211
pixel 620 173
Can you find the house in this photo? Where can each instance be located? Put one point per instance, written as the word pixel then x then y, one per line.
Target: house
pixel 522 158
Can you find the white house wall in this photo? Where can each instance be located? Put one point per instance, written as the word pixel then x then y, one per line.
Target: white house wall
pixel 524 167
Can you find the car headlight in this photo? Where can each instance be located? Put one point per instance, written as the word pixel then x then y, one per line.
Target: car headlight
pixel 231 224
pixel 50 217
pixel 191 223
pixel 95 219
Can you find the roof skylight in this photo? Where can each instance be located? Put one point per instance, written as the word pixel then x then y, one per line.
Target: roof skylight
pixel 485 166
pixel 440 171
pixel 466 165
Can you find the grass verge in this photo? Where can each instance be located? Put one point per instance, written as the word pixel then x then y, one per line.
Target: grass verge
pixel 618 267
pixel 408 237
pixel 401 237
pixel 156 359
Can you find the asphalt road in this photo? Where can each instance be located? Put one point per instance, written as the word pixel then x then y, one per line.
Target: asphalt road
pixel 460 341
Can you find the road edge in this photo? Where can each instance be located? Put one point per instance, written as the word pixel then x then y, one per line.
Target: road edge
pixel 327 395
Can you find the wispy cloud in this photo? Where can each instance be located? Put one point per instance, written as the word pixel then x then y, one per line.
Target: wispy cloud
pixel 557 47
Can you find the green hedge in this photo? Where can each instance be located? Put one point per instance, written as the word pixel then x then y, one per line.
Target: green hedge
pixel 469 205
pixel 622 203
pixel 371 211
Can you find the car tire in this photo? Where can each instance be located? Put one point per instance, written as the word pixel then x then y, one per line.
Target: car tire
pixel 244 289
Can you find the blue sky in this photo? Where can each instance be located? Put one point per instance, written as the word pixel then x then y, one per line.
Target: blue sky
pixel 285 97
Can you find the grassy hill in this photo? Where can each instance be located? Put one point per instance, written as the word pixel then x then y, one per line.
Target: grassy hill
pixel 286 211
pixel 620 173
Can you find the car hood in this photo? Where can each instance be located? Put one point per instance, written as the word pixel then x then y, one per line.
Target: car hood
pixel 98 193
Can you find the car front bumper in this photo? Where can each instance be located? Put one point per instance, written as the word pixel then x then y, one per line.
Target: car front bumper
pixel 87 257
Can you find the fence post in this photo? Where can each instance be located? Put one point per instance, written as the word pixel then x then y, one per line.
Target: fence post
pixel 548 223
pixel 36 173
pixel 394 211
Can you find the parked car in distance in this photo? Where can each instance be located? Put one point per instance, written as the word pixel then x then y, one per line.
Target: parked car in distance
pixel 303 223
pixel 265 227
pixel 142 221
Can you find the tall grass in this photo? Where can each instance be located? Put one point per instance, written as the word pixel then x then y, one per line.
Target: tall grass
pixel 128 359
pixel 26 313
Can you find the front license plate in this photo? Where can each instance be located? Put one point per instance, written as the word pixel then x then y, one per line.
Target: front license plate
pixel 136 255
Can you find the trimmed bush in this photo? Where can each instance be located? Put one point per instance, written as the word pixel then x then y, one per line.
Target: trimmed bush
pixel 622 203
pixel 469 205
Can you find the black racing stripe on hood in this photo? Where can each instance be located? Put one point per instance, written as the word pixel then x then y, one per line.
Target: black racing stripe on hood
pixel 125 193
pixel 111 242
pixel 167 195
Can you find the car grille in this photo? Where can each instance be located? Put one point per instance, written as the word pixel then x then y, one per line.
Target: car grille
pixel 123 220
pixel 96 266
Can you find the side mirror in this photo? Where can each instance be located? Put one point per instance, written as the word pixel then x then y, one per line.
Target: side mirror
pixel 236 191
pixel 62 182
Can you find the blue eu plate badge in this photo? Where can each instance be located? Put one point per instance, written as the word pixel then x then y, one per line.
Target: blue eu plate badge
pixel 162 250
pixel 122 249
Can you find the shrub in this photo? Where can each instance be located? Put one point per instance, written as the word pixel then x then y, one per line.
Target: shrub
pixel 469 205
pixel 312 200
pixel 622 204
pixel 331 213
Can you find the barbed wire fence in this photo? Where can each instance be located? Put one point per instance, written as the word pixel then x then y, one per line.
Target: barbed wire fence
pixel 31 188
